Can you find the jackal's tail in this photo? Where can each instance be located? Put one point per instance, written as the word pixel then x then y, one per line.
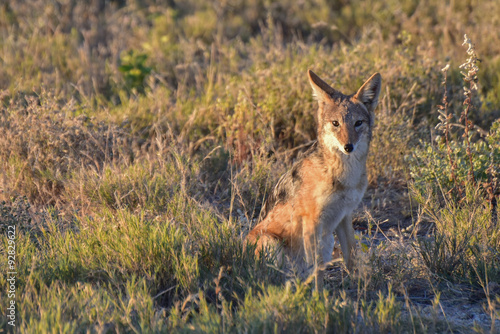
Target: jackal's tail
pixel 266 245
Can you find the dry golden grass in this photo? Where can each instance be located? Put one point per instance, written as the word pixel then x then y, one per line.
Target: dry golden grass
pixel 139 140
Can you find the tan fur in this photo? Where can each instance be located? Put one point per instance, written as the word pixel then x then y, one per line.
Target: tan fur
pixel 318 195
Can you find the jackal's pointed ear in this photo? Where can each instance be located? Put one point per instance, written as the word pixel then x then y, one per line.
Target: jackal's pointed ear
pixel 321 89
pixel 369 92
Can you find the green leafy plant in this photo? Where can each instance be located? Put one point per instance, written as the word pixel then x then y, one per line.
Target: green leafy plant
pixel 456 182
pixel 455 164
pixel 133 66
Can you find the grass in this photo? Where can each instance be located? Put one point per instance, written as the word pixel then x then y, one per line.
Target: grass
pixel 140 141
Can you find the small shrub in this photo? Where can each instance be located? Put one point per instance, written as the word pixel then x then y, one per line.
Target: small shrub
pixel 134 69
pixel 456 183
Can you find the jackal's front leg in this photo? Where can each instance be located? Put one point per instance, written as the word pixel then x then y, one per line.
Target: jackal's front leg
pixel 345 233
pixel 311 234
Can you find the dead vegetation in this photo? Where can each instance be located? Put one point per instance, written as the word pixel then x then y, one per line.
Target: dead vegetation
pixel 139 141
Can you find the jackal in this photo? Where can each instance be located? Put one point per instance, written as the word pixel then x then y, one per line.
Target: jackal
pixel 318 195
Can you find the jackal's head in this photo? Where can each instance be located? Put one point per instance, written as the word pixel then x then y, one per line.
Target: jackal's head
pixel 345 121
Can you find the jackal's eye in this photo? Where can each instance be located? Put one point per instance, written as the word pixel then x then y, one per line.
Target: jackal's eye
pixel 335 123
pixel 358 123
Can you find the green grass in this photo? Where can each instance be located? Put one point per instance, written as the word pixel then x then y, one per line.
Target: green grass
pixel 139 141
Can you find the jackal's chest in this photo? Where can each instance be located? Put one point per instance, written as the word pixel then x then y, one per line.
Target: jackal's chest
pixel 349 198
pixel 343 198
pixel 332 191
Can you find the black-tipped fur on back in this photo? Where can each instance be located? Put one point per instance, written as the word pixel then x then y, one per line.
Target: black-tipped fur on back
pixel 287 185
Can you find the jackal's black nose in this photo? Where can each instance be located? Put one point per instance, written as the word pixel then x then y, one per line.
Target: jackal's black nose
pixel 348 148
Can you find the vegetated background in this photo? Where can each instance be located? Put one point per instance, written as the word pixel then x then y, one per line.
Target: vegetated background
pixel 140 138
